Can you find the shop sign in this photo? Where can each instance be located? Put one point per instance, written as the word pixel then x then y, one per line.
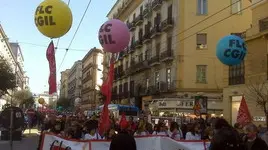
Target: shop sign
pixel 259 118
pixel 176 104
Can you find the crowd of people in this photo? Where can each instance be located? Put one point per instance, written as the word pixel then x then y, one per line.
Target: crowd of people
pixel 222 135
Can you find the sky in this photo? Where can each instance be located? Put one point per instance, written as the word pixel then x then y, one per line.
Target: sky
pixel 17 20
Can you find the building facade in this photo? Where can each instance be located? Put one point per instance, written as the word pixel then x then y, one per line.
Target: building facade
pixel 169 57
pixel 19 67
pixel 75 81
pixel 92 76
pixel 251 75
pixel 50 100
pixel 64 83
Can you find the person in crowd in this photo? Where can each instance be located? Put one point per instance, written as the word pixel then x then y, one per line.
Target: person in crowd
pixel 251 140
pixel 148 126
pixel 132 125
pixel 110 134
pixel 123 142
pixel 175 132
pixel 208 133
pixel 91 131
pixel 194 132
pixel 141 131
pixel 161 129
pixel 226 138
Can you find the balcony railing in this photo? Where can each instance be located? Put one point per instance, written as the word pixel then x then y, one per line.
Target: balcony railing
pixel 156 4
pixel 138 43
pixel 132 47
pixel 154 61
pixel 166 55
pixel 156 30
pixel 132 26
pixel 140 66
pixel 167 24
pixel 145 12
pixel 139 20
pixel 263 24
pixel 147 37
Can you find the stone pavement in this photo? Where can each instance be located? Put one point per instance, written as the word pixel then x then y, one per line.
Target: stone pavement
pixel 28 142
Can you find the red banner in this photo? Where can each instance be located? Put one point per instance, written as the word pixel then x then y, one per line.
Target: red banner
pixel 106 90
pixel 243 116
pixel 52 81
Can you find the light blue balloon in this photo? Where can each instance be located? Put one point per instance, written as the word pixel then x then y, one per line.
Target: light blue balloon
pixel 231 50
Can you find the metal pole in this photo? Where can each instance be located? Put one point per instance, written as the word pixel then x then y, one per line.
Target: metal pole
pixel 11 127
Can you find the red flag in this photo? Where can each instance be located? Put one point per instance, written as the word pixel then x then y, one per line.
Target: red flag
pixel 123 122
pixel 243 116
pixel 106 89
pixel 52 81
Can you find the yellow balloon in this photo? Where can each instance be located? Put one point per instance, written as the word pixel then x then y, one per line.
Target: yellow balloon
pixel 41 101
pixel 53 18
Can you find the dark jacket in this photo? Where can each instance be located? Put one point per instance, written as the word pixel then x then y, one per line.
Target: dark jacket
pixel 258 144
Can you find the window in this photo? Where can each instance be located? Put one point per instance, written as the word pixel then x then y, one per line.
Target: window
pixel 170 12
pixel 134 16
pixel 236 6
pixel 141 10
pixel 201 73
pixel 131 88
pixel 169 43
pixel 168 78
pixel 140 34
pixel 126 65
pixel 237 74
pixel 156 79
pixel 125 87
pixel 157 48
pixel 202 7
pixel 201 41
pixel 141 57
pixel 147 83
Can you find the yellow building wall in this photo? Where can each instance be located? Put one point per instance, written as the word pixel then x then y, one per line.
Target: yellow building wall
pixel 217 73
pixel 255 72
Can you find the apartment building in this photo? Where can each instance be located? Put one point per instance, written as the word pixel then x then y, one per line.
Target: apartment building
pixel 64 83
pixel 92 79
pixel 19 67
pixel 249 77
pixel 170 59
pixel 75 81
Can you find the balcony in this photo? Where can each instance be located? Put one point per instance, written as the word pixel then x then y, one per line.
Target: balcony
pixel 167 24
pixel 147 37
pixel 156 31
pixel 140 66
pixel 146 12
pixel 166 55
pixel 139 20
pixel 138 43
pixel 131 26
pixel 132 47
pixel 154 61
pixel 86 79
pixel 263 24
pixel 156 4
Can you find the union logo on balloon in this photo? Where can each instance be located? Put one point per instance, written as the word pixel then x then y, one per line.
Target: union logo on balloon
pixel 53 18
pixel 231 50
pixel 114 36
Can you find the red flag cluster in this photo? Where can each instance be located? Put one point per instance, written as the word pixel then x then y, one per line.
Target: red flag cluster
pixel 106 90
pixel 243 116
pixel 52 81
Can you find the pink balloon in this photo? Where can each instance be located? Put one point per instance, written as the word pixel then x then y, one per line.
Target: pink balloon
pixel 114 36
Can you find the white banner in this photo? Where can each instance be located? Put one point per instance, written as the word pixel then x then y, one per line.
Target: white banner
pixel 52 142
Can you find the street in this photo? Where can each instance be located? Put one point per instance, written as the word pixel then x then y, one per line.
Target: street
pixel 29 142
